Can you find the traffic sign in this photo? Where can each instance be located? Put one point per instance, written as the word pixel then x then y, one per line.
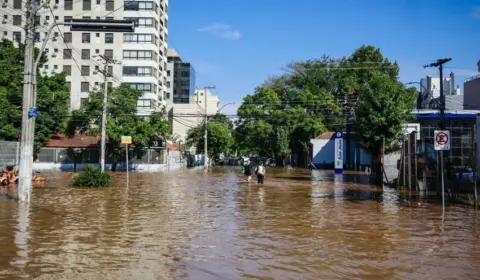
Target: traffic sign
pixel 126 139
pixel 442 140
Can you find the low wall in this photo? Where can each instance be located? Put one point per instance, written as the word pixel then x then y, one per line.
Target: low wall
pixel 50 166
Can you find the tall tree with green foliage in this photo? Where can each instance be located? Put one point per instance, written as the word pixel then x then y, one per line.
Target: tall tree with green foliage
pixel 219 139
pixel 52 97
pixel 122 120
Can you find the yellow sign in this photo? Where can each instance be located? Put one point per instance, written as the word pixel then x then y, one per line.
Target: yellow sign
pixel 126 139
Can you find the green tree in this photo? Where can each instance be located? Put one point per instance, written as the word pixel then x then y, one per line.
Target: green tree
pixel 52 97
pixel 384 106
pixel 219 139
pixel 122 119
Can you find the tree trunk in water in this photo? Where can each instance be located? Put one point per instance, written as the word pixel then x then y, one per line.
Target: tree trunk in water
pixel 376 177
pixel 75 166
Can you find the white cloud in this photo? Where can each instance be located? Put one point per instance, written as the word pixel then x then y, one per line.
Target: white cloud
pixel 476 12
pixel 223 30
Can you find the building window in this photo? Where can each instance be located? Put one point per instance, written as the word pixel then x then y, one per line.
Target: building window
pixel 143 87
pixel 83 102
pixel 138 6
pixel 109 5
pixel 67 54
pixel 110 70
pixel 85 37
pixel 87 5
pixel 84 87
pixel 37 36
pixel 143 22
pixel 85 53
pixel 67 18
pixel 138 55
pixel 97 34
pixel 184 74
pixel 138 38
pixel 168 73
pixel 85 70
pixel 108 38
pixel 108 54
pixel 67 37
pixel 17 20
pixel 55 67
pixel 137 71
pixel 68 5
pixel 68 85
pixel 17 37
pixel 168 84
pixel 67 69
pixel 109 84
pixel 17 4
pixel 144 103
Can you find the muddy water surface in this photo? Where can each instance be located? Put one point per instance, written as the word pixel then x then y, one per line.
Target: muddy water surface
pixel 195 225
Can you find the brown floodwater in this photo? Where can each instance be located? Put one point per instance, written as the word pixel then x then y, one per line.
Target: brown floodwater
pixel 195 225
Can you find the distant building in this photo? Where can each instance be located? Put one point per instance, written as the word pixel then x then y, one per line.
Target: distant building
pixel 180 79
pixel 430 93
pixel 184 116
pixel 471 88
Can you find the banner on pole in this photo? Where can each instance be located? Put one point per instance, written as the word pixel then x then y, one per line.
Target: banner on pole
pixel 338 160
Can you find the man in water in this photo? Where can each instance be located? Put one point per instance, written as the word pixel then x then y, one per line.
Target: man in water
pixel 260 170
pixel 248 172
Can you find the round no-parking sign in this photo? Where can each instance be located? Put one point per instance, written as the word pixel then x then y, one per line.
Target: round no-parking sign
pixel 442 140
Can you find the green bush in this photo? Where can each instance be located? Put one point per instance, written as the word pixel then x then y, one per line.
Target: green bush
pixel 92 177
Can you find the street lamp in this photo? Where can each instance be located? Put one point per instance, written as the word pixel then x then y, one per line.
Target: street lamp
pixel 231 103
pixel 206 125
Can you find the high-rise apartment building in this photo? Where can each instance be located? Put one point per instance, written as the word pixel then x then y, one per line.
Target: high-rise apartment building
pixel 141 55
pixel 180 79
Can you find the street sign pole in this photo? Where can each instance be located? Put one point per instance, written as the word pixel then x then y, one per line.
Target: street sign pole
pixel 126 140
pixel 442 143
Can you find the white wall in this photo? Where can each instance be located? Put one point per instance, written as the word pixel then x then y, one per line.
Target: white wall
pixel 324 153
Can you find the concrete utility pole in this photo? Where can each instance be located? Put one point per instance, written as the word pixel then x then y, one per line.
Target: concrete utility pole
pixel 105 73
pixel 28 112
pixel 206 126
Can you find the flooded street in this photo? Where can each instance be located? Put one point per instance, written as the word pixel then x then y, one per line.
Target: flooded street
pixel 192 225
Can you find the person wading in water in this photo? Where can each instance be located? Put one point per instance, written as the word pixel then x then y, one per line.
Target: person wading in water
pixel 260 170
pixel 248 172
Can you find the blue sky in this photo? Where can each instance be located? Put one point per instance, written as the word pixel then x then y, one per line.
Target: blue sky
pixel 237 44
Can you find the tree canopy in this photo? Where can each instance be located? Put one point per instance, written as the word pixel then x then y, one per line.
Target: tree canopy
pixel 317 95
pixel 122 120
pixel 52 97
pixel 219 137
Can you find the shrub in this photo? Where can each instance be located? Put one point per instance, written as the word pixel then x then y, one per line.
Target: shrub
pixel 92 177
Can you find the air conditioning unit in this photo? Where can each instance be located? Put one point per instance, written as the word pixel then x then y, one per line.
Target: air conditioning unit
pixel 4 4
pixel 45 71
pixel 45 22
pixel 54 55
pixel 55 6
pixel 95 72
pixel 4 21
pixel 54 39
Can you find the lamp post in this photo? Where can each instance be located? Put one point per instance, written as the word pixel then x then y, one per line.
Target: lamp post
pixel 231 103
pixel 206 125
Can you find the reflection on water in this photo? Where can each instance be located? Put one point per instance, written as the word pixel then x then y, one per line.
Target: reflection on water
pixel 196 225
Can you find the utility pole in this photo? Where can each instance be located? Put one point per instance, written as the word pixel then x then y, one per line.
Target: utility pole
pixel 206 127
pixel 439 63
pixel 106 74
pixel 28 112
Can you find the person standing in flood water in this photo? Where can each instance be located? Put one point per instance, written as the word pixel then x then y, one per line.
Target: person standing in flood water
pixel 260 170
pixel 248 172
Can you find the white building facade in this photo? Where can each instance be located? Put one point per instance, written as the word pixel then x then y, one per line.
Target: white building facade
pixel 189 115
pixel 141 55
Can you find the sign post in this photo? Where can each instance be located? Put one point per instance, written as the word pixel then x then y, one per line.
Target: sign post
pixel 126 140
pixel 338 159
pixel 442 143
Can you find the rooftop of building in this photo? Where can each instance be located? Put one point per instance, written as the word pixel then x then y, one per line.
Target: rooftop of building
pixel 474 78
